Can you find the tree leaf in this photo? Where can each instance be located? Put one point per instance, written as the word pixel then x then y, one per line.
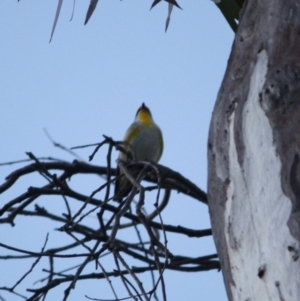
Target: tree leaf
pixel 230 10
pixel 170 8
pixel 90 11
pixel 56 18
pixel 173 2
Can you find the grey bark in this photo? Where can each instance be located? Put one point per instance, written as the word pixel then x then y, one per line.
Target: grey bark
pixel 253 156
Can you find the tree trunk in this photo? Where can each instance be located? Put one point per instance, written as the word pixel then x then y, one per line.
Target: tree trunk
pixel 253 153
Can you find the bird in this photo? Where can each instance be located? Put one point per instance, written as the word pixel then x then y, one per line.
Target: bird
pixel 142 141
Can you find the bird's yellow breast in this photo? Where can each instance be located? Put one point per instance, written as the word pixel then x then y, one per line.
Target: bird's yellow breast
pixel 144 117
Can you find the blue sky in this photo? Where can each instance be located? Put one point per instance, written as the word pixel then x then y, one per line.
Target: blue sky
pixel 89 81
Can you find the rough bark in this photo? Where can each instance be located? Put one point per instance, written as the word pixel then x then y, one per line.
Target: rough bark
pixel 253 154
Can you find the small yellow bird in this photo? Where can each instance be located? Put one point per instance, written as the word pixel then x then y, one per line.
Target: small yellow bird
pixel 146 143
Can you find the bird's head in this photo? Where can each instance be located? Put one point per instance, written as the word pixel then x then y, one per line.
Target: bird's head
pixel 143 115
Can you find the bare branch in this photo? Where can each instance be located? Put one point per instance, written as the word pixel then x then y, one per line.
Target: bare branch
pixel 91 243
